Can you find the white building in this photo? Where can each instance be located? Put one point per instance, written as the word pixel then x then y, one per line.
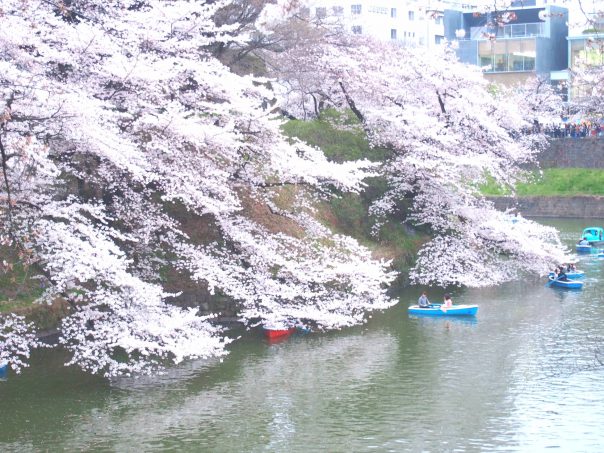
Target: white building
pixel 410 22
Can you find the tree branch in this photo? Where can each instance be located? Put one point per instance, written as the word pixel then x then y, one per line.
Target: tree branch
pixel 351 103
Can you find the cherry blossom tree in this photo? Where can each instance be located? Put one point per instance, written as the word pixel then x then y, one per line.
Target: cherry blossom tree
pixel 117 126
pixel 587 81
pixel 16 342
pixel 587 70
pixel 447 131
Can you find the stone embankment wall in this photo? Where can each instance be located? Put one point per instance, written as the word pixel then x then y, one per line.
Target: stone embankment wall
pixel 574 153
pixel 563 153
pixel 571 207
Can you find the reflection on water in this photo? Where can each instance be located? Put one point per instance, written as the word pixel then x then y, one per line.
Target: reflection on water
pixel 522 375
pixel 265 400
pixel 445 321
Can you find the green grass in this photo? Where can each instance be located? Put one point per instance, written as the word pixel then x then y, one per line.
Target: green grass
pixel 565 182
pixel 554 182
pixel 492 189
pixel 339 135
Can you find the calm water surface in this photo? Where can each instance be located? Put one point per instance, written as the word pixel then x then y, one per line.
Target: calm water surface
pixel 522 376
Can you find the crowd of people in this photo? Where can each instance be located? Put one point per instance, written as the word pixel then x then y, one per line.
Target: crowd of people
pixel 579 130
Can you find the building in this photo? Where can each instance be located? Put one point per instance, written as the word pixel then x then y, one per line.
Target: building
pixel 512 45
pixel 409 22
pixel 587 50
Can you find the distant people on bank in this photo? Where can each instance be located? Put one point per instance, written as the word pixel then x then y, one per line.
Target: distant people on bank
pixel 580 130
pixel 423 301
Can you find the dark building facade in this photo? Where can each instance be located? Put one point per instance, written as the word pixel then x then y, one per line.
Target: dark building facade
pixel 511 45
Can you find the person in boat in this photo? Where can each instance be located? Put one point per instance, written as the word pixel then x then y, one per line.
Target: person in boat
pixel 584 241
pixel 561 275
pixel 423 301
pixel 447 302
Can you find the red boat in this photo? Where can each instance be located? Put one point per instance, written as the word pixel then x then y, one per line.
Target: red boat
pixel 273 331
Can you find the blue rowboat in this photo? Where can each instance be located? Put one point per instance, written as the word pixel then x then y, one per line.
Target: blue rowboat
pixel 3 370
pixel 571 275
pixel 569 284
pixel 584 248
pixel 437 310
pixel 593 234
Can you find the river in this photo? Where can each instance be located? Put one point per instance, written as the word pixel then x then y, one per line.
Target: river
pixel 522 376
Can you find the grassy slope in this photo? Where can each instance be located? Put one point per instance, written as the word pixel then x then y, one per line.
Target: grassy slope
pixel 338 135
pixel 18 291
pixel 341 139
pixel 555 182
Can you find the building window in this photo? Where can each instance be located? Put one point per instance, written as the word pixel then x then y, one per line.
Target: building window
pixel 357 29
pixel 587 51
pixel 355 9
pixel 338 10
pixel 411 15
pixel 321 13
pixel 438 39
pixel 392 12
pixel 437 20
pixel 378 10
pixel 507 55
pixel 393 33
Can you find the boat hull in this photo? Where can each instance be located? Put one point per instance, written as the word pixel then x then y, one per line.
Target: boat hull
pixel 571 275
pixel 437 310
pixel 3 370
pixel 584 248
pixel 272 333
pixel 570 284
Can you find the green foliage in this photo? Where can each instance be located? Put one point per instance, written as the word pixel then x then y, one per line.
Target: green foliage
pixel 350 210
pixel 341 137
pixel 494 89
pixel 338 134
pixel 554 182
pixel 17 288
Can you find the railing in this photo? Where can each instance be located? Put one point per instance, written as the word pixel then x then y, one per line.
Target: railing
pixel 508 31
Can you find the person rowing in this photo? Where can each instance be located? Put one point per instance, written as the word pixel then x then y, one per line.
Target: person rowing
pixel 423 301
